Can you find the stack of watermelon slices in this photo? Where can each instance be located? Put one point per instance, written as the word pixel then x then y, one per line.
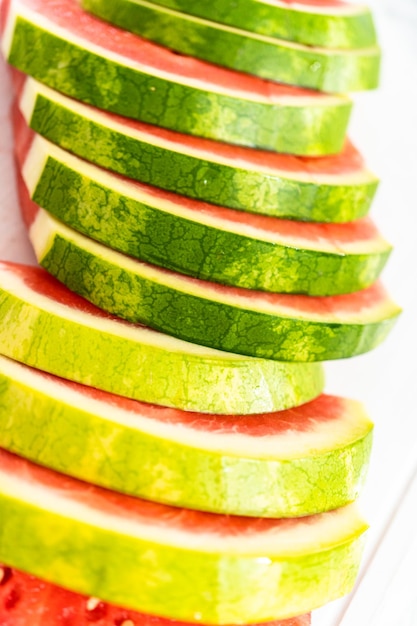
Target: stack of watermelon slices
pixel 167 453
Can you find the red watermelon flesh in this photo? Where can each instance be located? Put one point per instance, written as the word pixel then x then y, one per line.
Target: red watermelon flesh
pixel 337 234
pixel 28 601
pixel 69 15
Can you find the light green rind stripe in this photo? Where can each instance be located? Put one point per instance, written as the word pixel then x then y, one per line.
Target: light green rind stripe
pixel 334 71
pixel 188 245
pixel 194 585
pixel 125 288
pixel 89 446
pixel 222 184
pixel 351 30
pixel 204 381
pixel 91 78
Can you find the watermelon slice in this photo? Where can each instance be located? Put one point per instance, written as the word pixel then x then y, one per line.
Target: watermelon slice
pixel 285 327
pixel 327 23
pixel 26 600
pixel 47 326
pixel 286 464
pixel 63 46
pixel 197 239
pixel 173 562
pixel 332 189
pixel 331 70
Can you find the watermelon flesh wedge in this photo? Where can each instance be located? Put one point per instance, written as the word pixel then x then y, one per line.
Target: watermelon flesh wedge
pixel 160 87
pixel 132 360
pixel 331 70
pixel 283 327
pixel 26 600
pixel 327 189
pixel 285 464
pixel 195 238
pixel 327 23
pixel 173 562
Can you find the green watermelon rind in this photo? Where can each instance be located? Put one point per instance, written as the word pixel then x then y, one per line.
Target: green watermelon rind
pixel 89 77
pixel 219 584
pixel 181 468
pixel 92 202
pixel 323 69
pixel 351 29
pixel 79 130
pixel 46 337
pixel 193 311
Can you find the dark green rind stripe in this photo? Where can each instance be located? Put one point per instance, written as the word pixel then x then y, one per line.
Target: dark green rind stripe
pixel 217 183
pixel 95 449
pixel 125 366
pixel 327 30
pixel 325 70
pixel 101 276
pixel 136 573
pixel 153 234
pixel 111 86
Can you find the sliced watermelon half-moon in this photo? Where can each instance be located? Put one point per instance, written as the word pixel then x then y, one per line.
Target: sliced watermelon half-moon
pixel 283 327
pixel 26 600
pixel 323 68
pixel 48 327
pixel 290 463
pixel 326 189
pixel 64 47
pixel 327 23
pixel 176 563
pixel 206 241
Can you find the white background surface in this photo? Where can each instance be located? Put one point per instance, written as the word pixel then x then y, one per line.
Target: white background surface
pixel 384 126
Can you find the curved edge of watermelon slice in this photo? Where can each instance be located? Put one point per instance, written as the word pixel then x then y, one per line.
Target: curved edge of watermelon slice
pixel 209 568
pixel 331 23
pixel 132 360
pixel 213 100
pixel 198 239
pixel 297 462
